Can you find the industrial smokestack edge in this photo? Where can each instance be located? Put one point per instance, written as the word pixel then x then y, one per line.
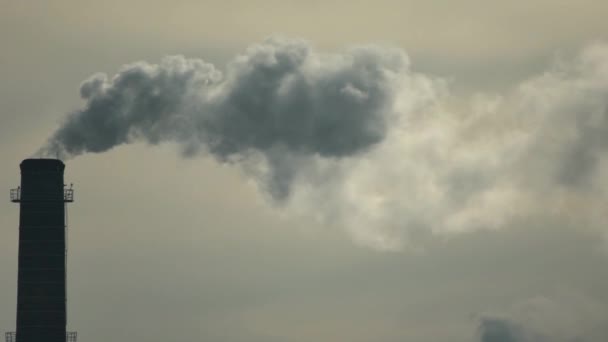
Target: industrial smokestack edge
pixel 41 281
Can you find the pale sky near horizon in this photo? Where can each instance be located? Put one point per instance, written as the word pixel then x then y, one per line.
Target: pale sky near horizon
pixel 489 225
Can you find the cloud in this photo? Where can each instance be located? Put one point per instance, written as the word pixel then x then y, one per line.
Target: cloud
pixel 501 330
pixel 359 141
pixel 564 317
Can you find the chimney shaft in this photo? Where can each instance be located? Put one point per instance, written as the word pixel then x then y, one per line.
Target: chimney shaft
pixel 41 296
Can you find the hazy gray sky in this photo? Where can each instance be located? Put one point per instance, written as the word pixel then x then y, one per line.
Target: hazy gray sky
pixel 474 211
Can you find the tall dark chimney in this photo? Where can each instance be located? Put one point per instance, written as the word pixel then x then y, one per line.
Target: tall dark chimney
pixel 41 296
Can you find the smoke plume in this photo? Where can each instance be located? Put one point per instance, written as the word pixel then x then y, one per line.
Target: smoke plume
pixel 278 100
pixel 360 141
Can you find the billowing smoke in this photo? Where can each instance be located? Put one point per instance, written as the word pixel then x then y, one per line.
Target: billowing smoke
pixel 278 100
pixel 359 141
pixel 538 153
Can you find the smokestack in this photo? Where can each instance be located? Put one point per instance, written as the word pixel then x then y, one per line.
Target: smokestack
pixel 41 295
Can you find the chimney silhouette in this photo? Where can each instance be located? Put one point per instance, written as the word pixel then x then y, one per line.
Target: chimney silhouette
pixel 41 295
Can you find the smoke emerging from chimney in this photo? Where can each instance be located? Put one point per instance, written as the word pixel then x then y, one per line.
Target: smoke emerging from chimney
pixel 279 98
pixel 358 140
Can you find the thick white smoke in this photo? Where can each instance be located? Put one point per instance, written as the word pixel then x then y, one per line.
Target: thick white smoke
pixel 359 141
pixel 536 153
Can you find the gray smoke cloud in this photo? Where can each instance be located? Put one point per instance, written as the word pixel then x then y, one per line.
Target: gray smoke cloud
pixel 280 99
pixel 359 141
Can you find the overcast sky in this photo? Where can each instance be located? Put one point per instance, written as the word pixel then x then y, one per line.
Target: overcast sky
pixel 424 171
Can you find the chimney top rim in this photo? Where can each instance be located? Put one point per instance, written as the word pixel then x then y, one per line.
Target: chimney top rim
pixel 41 163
